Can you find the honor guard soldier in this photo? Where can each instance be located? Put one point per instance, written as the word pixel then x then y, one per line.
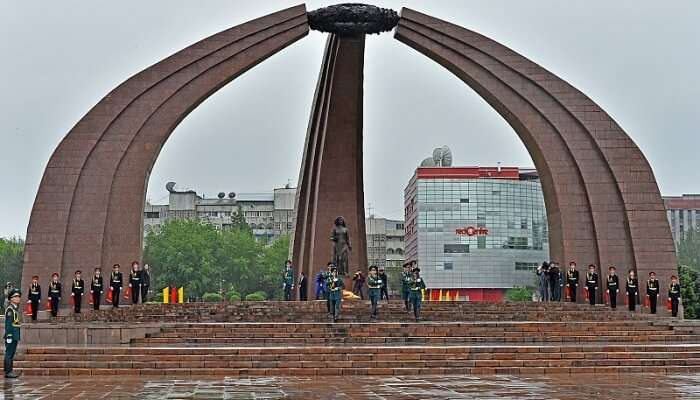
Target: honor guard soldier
pixel 335 288
pixel 417 286
pixel 613 287
pixel 632 289
pixel 54 294
pixel 115 285
pixel 572 281
pixel 77 292
pixel 652 292
pixel 288 280
pixel 384 292
pixel 674 295
pixel 34 296
pixel 591 284
pixel 406 277
pixel 96 289
pixel 135 282
pixel 374 283
pixel 12 331
pixel 326 292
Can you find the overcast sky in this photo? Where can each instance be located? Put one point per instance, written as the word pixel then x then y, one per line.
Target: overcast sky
pixel 637 59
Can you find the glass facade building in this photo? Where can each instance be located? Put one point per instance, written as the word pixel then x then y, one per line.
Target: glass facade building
pixel 475 232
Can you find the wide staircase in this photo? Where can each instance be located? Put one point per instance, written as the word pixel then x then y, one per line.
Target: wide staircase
pixel 292 338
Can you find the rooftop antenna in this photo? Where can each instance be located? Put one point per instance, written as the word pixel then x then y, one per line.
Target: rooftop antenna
pixel 498 164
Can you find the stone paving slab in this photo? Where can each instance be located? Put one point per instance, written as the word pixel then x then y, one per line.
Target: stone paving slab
pixel 633 386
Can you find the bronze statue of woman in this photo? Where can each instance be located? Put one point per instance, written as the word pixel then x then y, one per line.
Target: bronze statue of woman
pixel 341 246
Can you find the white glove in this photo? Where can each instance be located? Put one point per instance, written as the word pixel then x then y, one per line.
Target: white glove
pixel 379 281
pixel 8 340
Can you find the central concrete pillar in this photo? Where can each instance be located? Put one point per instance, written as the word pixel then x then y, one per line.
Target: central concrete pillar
pixel 330 180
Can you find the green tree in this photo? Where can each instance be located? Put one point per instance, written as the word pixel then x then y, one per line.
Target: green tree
pixel 183 253
pixel 195 255
pixel 11 260
pixel 689 272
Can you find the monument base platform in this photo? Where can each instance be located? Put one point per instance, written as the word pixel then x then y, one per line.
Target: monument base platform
pixel 294 338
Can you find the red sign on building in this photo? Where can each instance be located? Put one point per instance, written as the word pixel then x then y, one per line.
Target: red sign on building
pixel 471 231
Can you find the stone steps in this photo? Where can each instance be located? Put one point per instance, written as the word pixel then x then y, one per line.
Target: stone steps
pixel 295 338
pixel 330 360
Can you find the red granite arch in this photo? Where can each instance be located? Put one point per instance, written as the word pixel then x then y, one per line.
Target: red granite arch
pixel 89 207
pixel 602 200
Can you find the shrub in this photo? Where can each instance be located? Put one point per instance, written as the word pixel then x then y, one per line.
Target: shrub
pixel 255 297
pixel 212 297
pixel 233 293
pixel 234 297
pixel 519 294
pixel 261 293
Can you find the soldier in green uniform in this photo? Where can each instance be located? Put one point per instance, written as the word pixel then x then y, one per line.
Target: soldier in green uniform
pixel 374 283
pixel 335 290
pixel 326 292
pixel 12 331
pixel 405 282
pixel 416 285
pixel 288 280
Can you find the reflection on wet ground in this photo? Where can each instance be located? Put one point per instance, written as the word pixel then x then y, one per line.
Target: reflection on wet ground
pixel 636 386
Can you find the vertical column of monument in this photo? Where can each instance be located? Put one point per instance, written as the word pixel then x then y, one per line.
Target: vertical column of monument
pixel 331 182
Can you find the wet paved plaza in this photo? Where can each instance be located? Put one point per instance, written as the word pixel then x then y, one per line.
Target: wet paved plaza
pixel 635 386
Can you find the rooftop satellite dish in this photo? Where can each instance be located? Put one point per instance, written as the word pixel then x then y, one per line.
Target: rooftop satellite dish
pixel 170 187
pixel 442 156
pixel 428 162
pixel 231 195
pixel 221 195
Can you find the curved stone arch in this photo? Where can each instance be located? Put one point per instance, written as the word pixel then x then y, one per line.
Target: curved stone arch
pixel 89 206
pixel 605 208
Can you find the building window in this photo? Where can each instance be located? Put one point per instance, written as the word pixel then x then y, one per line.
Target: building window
pixel 523 266
pixel 389 251
pixel 516 243
pixel 152 214
pixel 455 248
pixel 481 242
pixel 463 200
pixel 399 251
pixel 447 265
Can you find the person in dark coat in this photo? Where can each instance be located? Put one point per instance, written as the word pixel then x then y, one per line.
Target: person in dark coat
pixel 54 294
pixel 652 291
pixel 77 291
pixel 302 286
pixel 34 296
pixel 591 284
pixel 135 282
pixel 674 295
pixel 96 288
pixel 613 287
pixel 572 281
pixel 358 283
pixel 384 292
pixel 555 281
pixel 632 289
pixel 543 280
pixel 115 285
pixel 145 283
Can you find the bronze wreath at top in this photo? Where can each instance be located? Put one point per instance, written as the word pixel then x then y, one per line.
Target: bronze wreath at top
pixel 351 19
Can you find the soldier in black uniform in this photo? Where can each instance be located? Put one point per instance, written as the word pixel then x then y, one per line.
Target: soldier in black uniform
pixel 674 294
pixel 652 291
pixel 613 287
pixel 115 285
pixel 12 331
pixel 135 282
pixel 96 289
pixel 591 284
pixel 77 292
pixel 54 294
pixel 632 289
pixel 572 281
pixel 34 296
